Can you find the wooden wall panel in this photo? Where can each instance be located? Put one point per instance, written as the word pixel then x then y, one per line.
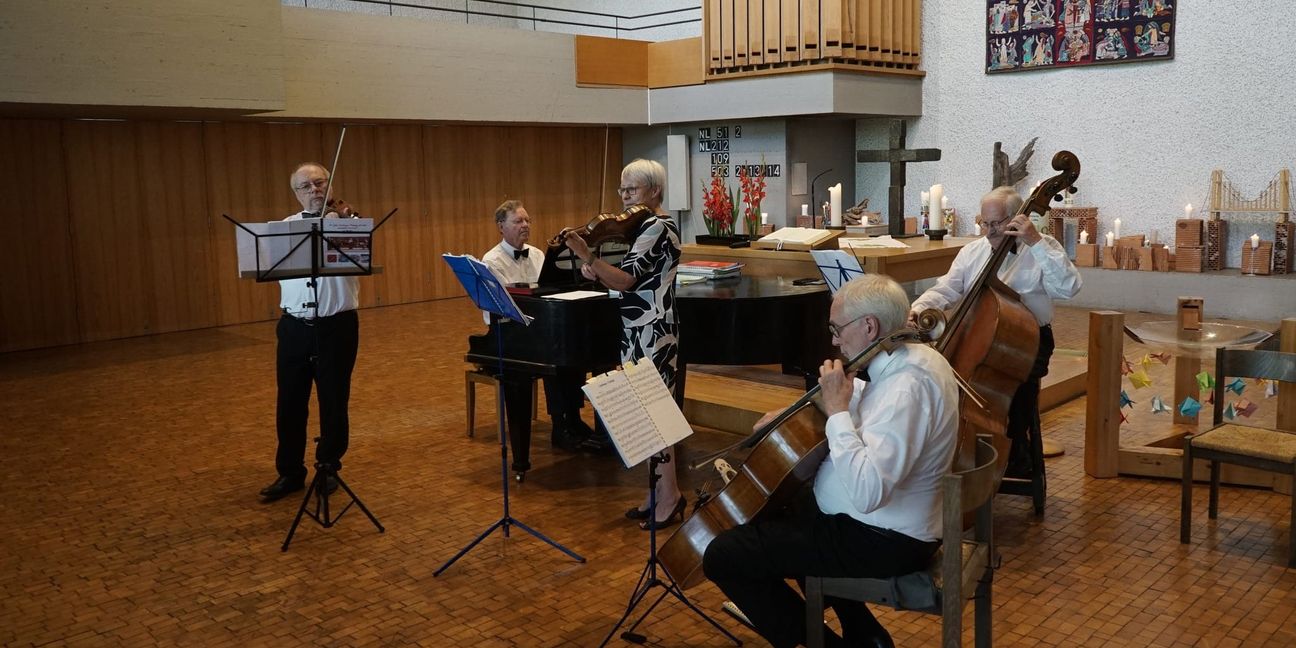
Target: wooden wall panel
pixel 37 295
pixel 382 168
pixel 134 243
pixel 248 168
pixel 179 255
pixel 466 176
pixel 107 228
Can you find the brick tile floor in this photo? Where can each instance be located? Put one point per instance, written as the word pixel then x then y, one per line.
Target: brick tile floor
pixel 130 517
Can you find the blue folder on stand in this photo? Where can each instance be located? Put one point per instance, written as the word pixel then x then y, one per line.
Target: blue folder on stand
pixel 484 288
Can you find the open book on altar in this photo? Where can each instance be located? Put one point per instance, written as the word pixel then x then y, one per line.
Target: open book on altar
pixel 798 238
pixel 638 411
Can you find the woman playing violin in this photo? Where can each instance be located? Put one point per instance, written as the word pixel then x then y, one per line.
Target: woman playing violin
pixel 645 277
pixel 875 507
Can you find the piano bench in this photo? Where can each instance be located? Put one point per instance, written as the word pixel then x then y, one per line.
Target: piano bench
pixel 484 376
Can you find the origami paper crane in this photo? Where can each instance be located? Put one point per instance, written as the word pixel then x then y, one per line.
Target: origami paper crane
pixel 1164 357
pixel 1123 418
pixel 1236 386
pixel 1229 412
pixel 1127 367
pixel 1205 381
pixel 1245 407
pixel 1159 406
pixel 1140 379
pixel 1271 388
pixel 1210 397
pixel 1145 361
pixel 1125 400
pixel 1189 407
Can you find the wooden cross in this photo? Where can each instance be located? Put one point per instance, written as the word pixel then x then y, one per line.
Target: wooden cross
pixel 898 156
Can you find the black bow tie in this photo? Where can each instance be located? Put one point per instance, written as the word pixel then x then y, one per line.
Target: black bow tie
pixel 309 215
pixel 524 253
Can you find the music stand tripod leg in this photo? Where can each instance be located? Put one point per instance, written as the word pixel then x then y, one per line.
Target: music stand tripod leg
pixel 648 578
pixel 319 487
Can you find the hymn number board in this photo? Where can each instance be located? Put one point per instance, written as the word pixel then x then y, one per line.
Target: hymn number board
pixel 715 141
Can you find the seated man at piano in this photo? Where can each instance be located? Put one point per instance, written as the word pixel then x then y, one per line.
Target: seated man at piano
pixel 874 509
pixel 1039 271
pixel 515 261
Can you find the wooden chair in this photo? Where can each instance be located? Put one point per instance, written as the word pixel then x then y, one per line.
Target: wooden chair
pixel 485 376
pixel 1272 450
pixel 949 580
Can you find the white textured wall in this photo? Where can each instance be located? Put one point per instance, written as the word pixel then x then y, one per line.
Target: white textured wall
pixel 1147 134
pixel 636 29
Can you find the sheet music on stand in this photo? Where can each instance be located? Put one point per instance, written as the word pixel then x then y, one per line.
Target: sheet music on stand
pixel 837 267
pixel 640 414
pixel 484 288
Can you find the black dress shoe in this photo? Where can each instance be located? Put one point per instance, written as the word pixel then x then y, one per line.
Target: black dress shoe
pixel 598 445
pixel 281 487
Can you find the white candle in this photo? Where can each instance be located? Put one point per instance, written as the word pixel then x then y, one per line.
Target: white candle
pixel 1255 241
pixel 926 199
pixel 764 218
pixel 1084 237
pixel 944 202
pixel 834 200
pixel 1188 210
pixel 805 210
pixel 1111 239
pixel 937 192
pixel 1152 240
pixel 1116 229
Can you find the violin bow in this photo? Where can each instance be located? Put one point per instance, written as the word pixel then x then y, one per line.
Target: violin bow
pixel 337 154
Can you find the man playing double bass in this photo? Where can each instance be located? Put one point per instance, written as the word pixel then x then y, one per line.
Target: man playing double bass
pixel 1039 271
pixel 875 507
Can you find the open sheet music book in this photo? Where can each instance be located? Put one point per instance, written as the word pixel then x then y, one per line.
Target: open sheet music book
pixel 638 410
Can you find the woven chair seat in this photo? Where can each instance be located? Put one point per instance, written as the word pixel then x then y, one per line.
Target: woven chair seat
pixel 1256 442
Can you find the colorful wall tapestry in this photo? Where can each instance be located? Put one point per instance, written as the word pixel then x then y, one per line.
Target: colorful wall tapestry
pixel 1039 34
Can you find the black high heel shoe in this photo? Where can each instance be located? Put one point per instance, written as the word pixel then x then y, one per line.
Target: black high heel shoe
pixel 636 513
pixel 677 512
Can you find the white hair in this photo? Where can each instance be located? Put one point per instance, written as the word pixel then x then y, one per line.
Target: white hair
pixel 1006 196
pixel 877 295
pixel 648 172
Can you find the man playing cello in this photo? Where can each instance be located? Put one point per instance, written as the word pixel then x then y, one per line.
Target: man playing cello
pixel 875 508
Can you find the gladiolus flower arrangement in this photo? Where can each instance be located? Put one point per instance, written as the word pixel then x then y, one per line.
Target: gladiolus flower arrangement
pixel 718 208
pixel 753 191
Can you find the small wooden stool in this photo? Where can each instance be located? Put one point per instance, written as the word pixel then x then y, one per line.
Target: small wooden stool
pixel 484 376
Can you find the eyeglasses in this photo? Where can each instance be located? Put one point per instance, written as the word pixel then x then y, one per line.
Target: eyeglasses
pixel 628 190
pixel 837 330
pixel 315 184
pixel 999 224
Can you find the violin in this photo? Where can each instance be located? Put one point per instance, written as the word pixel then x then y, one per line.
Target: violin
pixel 607 227
pixel 342 208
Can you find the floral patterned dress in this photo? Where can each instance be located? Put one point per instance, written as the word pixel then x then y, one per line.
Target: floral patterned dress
pixel 648 327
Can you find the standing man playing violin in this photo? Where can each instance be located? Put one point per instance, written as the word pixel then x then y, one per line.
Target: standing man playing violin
pixel 318 336
pixel 513 260
pixel 875 508
pixel 1039 271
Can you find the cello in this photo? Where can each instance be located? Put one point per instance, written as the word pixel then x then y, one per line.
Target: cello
pixel 991 338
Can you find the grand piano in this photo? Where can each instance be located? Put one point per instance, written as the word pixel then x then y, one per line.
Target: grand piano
pixel 735 321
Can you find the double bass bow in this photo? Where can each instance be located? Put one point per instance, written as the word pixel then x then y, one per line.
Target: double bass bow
pixel 785 454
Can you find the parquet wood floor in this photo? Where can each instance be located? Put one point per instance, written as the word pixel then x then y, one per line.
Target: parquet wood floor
pixel 130 517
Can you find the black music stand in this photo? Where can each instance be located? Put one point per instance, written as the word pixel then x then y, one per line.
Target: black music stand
pixel 648 578
pixel 488 294
pixel 322 246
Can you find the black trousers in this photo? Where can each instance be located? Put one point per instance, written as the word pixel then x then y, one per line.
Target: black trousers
pixel 1024 409
pixel 321 351
pixel 750 564
pixel 563 401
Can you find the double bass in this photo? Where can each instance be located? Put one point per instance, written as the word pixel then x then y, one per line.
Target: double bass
pixel 991 341
pixel 991 338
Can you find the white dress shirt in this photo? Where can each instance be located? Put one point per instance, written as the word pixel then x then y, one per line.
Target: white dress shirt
pixel 1040 275
pixel 888 453
pixel 336 294
pixel 500 259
